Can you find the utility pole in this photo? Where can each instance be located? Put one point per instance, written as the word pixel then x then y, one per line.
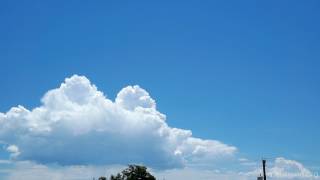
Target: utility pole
pixel 264 169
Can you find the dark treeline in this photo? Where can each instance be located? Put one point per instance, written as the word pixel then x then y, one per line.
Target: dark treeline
pixel 133 172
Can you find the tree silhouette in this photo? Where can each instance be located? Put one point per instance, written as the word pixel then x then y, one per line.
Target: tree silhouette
pixel 134 172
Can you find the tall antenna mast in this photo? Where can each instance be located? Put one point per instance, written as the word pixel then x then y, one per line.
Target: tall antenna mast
pixel 264 169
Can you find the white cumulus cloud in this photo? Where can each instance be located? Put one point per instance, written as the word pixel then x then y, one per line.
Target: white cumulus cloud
pixel 13 150
pixel 77 124
pixel 285 169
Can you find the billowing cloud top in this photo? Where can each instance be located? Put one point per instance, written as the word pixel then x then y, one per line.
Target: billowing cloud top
pixel 285 169
pixel 77 124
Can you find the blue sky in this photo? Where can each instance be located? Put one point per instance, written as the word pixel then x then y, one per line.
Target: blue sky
pixel 245 73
